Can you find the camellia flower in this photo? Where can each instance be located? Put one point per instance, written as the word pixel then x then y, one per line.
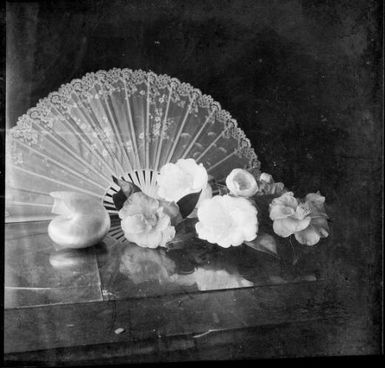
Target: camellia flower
pixel 227 220
pixel 318 227
pixel 146 221
pixel 267 186
pixel 180 179
pixel 307 221
pixel 241 183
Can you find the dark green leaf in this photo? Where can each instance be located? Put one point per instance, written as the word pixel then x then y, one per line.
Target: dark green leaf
pixel 180 240
pixel 188 203
pixel 264 243
pixel 126 189
pixel 186 226
pixel 119 198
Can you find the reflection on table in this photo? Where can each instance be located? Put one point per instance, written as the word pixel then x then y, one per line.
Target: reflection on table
pixel 38 272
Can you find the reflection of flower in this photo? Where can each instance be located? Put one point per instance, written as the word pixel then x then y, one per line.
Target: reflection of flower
pixel 307 221
pixel 146 221
pixel 241 183
pixel 209 279
pixel 227 221
pixel 142 265
pixel 184 177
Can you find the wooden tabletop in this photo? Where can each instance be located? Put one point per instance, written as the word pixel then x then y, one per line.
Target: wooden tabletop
pixel 118 301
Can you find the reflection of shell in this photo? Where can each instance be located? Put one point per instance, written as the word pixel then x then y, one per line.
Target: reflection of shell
pixel 212 134
pixel 224 150
pixel 185 135
pixel 68 258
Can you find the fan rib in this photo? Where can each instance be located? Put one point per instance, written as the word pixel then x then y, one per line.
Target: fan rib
pixel 221 161
pixel 63 166
pixel 113 211
pixel 161 130
pixel 176 139
pixel 28 191
pixel 117 132
pixel 209 146
pixel 80 136
pixel 57 181
pixel 17 203
pixel 147 127
pixel 198 134
pixel 92 123
pixel 132 133
pixel 75 156
pixel 16 219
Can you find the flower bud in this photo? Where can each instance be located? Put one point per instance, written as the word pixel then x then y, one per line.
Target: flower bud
pixel 241 183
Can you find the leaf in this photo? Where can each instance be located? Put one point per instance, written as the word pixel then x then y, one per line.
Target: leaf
pixel 264 243
pixel 187 203
pixel 180 240
pixel 126 189
pixel 119 198
pixel 185 231
pixel 186 226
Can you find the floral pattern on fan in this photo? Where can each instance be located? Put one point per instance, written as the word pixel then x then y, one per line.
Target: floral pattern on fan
pixel 113 123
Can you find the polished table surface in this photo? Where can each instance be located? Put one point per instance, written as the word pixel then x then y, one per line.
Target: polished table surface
pixel 38 272
pixel 119 301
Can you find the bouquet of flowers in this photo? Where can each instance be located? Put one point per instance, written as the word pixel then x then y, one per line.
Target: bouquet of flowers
pixel 255 211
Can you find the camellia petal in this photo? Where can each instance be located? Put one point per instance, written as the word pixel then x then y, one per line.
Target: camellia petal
pixel 309 236
pixel 241 183
pixel 278 212
pixel 283 228
pixel 315 197
pixel 227 221
pixel 267 178
pixel 145 221
pixel 180 179
pixel 134 224
pixel 288 226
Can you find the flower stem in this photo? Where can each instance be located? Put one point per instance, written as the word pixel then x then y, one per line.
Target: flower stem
pixel 295 255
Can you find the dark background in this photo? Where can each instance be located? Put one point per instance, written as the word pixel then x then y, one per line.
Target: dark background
pixel 302 78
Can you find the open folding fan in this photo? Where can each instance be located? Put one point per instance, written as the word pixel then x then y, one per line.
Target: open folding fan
pixel 120 123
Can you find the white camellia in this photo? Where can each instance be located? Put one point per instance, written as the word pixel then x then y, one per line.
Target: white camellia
pixel 306 220
pixel 288 215
pixel 180 179
pixel 227 221
pixel 146 221
pixel 241 183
